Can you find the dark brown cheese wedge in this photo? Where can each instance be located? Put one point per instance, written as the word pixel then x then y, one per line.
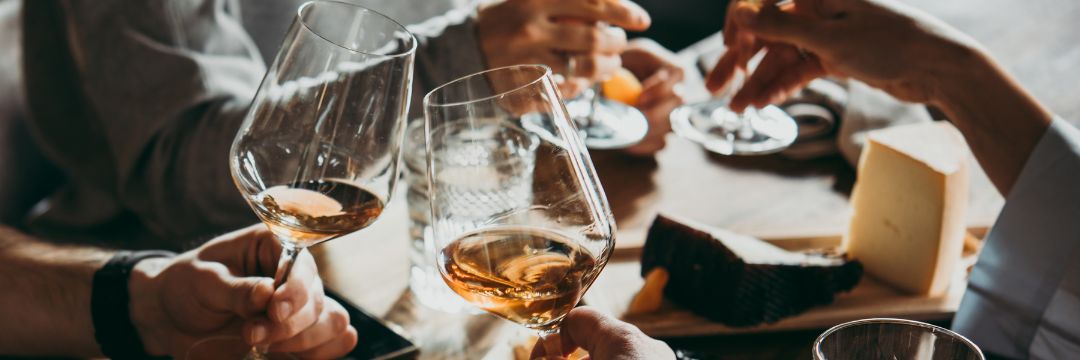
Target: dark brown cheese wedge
pixel 738 280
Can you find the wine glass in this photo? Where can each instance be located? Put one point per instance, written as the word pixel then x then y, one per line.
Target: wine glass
pixel 605 124
pixel 893 339
pixel 715 126
pixel 317 154
pixel 520 223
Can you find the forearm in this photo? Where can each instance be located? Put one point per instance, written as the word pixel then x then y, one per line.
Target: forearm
pixel 166 84
pixel 45 302
pixel 1000 120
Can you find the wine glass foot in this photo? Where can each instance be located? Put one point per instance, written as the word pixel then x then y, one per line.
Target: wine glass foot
pixel 229 348
pixel 614 125
pixel 722 131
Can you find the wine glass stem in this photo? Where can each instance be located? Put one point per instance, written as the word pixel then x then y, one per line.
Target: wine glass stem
pixel 594 103
pixel 289 253
pixel 552 343
pixel 745 130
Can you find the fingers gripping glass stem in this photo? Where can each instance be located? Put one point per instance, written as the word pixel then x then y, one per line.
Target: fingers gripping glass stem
pixel 552 342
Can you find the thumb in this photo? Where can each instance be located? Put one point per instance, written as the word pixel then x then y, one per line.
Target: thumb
pixel 602 336
pixel 773 24
pixel 243 296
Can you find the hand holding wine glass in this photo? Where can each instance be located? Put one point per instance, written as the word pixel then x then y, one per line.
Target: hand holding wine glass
pixel 520 222
pixel 887 44
pixel 660 75
pixel 514 32
pixel 605 338
pixel 222 289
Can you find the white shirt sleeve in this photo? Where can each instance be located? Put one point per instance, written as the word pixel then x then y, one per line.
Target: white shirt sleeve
pixel 1023 297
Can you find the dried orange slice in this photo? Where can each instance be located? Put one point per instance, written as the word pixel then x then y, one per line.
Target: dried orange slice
pixel 623 87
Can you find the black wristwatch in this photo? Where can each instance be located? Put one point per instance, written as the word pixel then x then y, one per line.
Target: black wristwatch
pixel 110 301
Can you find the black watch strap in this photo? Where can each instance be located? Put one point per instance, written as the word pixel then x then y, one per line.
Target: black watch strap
pixel 109 306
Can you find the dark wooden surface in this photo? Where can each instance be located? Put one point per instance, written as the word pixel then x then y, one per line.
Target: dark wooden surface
pixel 1037 40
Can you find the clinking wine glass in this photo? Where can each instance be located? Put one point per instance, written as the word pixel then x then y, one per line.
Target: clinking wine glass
pixel 716 127
pixel 317 154
pixel 520 222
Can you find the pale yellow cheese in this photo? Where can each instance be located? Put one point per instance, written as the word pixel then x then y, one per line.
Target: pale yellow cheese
pixel 909 204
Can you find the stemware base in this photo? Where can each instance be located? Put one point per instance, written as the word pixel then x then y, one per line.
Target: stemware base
pixel 228 348
pixel 614 125
pixel 722 131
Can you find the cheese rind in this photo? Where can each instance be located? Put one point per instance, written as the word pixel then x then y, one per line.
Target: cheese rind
pixel 909 203
pixel 711 274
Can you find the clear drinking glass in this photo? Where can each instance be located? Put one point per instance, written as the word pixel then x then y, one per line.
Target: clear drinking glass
pixel 521 224
pixel 893 339
pixel 720 130
pixel 424 280
pixel 317 155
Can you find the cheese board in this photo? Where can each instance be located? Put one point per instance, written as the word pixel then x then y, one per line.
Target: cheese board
pixel 621 280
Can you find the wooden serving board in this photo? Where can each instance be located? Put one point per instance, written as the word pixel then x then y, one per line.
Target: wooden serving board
pixel 621 280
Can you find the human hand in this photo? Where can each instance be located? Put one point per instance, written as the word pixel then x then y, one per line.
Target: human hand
pixel 222 288
pixel 657 67
pixel 556 32
pixel 886 44
pixel 605 338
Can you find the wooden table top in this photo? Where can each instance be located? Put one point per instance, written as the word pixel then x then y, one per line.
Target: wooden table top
pixel 757 195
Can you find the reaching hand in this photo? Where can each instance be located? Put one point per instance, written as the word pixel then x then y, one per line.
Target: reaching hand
pixel 606 338
pixel 555 32
pixel 657 68
pixel 223 288
pixel 884 43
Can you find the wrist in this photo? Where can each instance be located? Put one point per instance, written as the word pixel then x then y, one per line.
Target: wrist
pixel 146 312
pixel 1000 120
pixel 958 75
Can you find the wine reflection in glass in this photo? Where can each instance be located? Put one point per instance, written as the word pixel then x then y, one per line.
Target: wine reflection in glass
pixel 317 154
pixel 520 222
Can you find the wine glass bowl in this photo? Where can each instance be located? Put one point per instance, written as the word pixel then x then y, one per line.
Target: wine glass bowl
pixel 520 222
pixel 885 338
pixel 317 155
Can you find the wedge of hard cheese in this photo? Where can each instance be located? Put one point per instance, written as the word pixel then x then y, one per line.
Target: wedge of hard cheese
pixel 738 280
pixel 909 203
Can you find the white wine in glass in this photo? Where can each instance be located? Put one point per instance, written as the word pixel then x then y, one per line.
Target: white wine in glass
pixel 530 276
pixel 315 210
pixel 526 236
pixel 317 154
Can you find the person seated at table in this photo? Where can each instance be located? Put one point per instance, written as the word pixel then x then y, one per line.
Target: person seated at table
pixel 154 93
pixel 80 301
pixel 1023 297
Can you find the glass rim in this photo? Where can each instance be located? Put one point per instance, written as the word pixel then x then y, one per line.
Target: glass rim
pixel 546 71
pixel 300 19
pixel 817 342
